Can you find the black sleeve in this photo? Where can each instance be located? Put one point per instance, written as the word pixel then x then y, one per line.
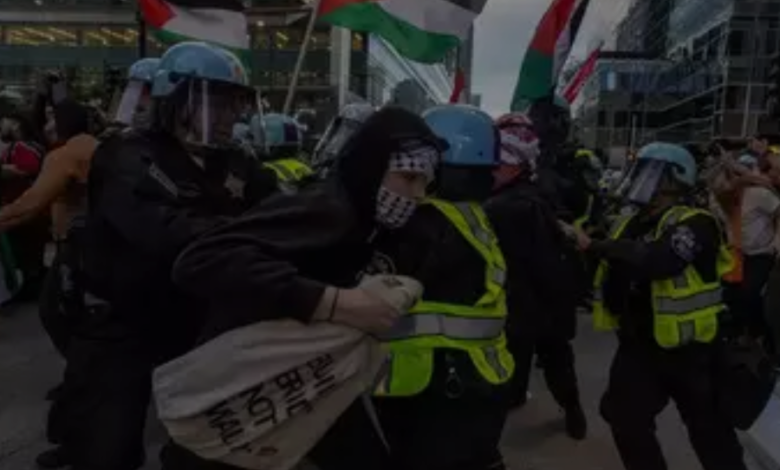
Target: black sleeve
pixel 133 195
pixel 532 249
pixel 248 262
pixel 668 256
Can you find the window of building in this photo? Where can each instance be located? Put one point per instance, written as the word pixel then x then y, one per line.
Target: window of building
pixel 736 42
pixel 602 119
pixel 110 37
pixel 358 41
pixel 621 119
pixel 320 40
pixel 735 97
pixel 771 42
pixel 285 39
pixel 41 35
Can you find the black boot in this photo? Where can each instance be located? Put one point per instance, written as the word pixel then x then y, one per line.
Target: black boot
pixel 576 423
pixel 53 459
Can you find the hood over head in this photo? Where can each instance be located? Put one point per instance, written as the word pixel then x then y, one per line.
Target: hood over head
pixel 364 160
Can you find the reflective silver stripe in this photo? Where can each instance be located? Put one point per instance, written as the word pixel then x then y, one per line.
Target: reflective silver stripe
pixel 670 306
pixel 436 324
pixel 491 356
pixel 497 275
pixel 484 236
pixel 687 331
pixel 598 295
pixel 479 232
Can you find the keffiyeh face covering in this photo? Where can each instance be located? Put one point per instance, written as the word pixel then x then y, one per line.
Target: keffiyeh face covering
pixel 393 210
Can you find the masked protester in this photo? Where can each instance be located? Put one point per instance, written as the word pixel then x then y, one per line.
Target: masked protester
pixel 439 401
pixel 150 192
pixel 300 256
pixel 21 161
pixel 658 284
pixel 340 129
pixel 542 295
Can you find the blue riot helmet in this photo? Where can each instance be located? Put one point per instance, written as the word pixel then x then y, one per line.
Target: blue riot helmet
pixel 474 151
pixel 283 136
pixel 282 131
pixel 132 106
pixel 201 92
pixel 660 169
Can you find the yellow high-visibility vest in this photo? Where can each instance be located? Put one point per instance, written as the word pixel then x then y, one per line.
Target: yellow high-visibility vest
pixel 685 307
pixel 476 329
pixel 289 170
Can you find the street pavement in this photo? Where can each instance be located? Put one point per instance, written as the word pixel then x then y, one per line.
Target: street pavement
pixel 534 438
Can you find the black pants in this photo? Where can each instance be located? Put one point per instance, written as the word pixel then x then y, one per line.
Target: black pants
pixel 50 311
pixel 643 379
pixel 104 402
pixel 556 357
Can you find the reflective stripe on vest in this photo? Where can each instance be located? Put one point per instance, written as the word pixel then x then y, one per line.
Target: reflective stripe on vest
pixel 685 308
pixel 289 169
pixel 476 329
pixel 439 324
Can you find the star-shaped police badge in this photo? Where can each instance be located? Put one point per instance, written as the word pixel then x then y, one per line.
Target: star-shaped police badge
pixel 235 186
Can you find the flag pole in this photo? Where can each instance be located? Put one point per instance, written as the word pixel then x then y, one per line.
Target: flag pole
pixel 301 57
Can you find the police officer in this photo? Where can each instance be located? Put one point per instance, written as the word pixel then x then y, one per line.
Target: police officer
pixel 658 284
pixel 341 128
pixel 441 401
pixel 150 193
pixel 284 141
pixel 62 186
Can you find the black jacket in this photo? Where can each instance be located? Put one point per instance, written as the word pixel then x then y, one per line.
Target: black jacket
pixel 276 260
pixel 147 200
pixel 543 284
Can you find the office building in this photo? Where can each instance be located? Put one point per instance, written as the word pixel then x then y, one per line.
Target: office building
pixel 85 37
pixel 715 56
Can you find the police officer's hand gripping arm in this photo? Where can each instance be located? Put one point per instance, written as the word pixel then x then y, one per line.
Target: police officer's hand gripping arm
pixel 663 258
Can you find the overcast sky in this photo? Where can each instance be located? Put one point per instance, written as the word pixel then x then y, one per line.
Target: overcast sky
pixel 502 35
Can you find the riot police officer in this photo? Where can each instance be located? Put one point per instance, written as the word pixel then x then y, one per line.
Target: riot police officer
pixel 659 284
pixel 150 193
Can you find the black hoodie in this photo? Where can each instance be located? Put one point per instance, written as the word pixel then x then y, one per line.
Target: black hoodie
pixel 276 260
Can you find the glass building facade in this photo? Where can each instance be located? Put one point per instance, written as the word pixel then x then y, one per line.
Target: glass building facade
pixel 84 38
pixel 713 83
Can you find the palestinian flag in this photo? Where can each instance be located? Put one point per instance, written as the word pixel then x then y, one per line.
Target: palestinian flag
pixel 458 95
pixel 581 77
pixel 548 51
pixel 420 30
pixel 220 22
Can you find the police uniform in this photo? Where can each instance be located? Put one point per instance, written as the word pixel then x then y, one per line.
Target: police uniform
pixel 658 285
pixel 440 400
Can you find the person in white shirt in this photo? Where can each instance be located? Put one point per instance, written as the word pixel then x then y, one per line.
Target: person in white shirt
pixel 760 229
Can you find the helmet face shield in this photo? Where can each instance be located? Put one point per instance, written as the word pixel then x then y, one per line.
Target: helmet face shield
pixel 132 107
pixel 212 109
pixel 644 180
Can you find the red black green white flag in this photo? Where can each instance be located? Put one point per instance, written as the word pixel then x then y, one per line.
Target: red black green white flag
pixel 220 22
pixel 421 30
pixel 548 51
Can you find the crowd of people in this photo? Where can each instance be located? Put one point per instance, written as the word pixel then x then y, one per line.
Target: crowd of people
pixel 379 301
